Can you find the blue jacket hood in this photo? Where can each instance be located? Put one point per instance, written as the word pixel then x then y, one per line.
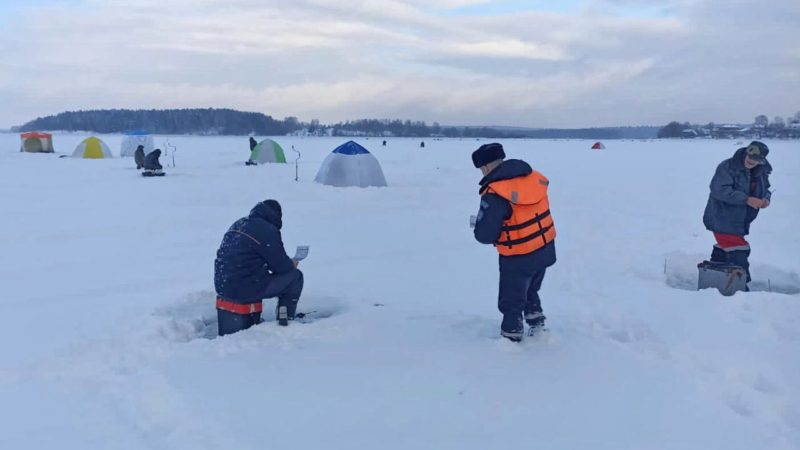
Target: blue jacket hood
pixel 263 210
pixel 512 168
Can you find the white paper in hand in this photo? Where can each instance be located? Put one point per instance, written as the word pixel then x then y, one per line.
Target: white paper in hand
pixel 301 253
pixel 472 221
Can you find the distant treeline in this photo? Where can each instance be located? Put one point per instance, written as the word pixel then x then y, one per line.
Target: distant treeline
pixel 375 127
pixel 642 132
pixel 212 121
pixel 408 128
pixel 164 121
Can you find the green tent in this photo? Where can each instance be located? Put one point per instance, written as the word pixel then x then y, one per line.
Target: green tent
pixel 268 151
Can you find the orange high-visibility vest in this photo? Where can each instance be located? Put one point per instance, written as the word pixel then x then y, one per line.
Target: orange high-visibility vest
pixel 530 226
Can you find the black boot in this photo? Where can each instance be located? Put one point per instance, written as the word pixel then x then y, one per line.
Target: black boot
pixel 740 258
pixel 512 327
pixel 282 315
pixel 535 322
pixel 291 308
pixel 285 310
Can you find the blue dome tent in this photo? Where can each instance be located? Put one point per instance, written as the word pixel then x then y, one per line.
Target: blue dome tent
pixel 350 165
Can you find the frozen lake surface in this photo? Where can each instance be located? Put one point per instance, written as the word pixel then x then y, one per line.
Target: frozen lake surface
pixel 108 305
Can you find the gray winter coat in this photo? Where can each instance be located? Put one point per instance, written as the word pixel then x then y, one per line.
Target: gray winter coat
pixel 138 157
pixel 727 211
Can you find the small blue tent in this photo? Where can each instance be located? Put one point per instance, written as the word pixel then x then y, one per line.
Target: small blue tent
pixel 350 165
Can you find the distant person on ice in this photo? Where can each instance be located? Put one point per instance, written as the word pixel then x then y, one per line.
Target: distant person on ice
pixel 152 166
pixel 739 189
pixel 138 157
pixel 514 216
pixel 252 265
pixel 253 145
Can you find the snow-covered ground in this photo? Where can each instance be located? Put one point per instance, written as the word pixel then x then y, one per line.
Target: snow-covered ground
pixel 107 306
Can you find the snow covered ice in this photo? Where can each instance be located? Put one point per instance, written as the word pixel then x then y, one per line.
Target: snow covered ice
pixel 109 333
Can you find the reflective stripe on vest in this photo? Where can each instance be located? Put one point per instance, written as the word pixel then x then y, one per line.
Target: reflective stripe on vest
pixel 530 226
pixel 239 308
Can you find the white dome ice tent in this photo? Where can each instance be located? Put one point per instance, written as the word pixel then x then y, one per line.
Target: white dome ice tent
pixel 350 165
pixel 134 139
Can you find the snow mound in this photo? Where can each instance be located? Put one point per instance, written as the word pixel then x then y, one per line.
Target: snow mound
pixel 193 317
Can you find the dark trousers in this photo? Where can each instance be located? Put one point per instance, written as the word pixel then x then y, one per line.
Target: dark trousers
pixel 519 293
pixel 286 286
pixel 229 322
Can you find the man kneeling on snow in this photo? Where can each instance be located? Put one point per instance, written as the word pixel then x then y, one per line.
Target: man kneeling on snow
pixel 515 217
pixel 252 265
pixel 152 166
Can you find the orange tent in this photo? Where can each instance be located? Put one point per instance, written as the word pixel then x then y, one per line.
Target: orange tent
pixel 36 142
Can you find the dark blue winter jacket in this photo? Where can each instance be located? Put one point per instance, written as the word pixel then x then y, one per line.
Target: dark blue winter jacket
pixel 151 160
pixel 494 210
pixel 251 250
pixel 727 211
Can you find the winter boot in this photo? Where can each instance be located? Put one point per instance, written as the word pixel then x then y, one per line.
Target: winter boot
pixel 512 327
pixel 740 258
pixel 282 314
pixel 535 321
pixel 286 310
pixel 719 255
pixel 292 308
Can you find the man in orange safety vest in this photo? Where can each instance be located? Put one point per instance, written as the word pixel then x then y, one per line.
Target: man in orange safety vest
pixel 515 217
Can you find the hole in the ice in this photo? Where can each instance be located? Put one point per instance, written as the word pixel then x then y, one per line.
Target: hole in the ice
pixel 195 317
pixel 192 318
pixel 681 273
pixel 190 329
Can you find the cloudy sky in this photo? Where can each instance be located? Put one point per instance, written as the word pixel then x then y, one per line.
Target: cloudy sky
pixel 568 63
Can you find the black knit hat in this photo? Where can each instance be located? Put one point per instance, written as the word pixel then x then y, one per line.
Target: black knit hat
pixel 487 153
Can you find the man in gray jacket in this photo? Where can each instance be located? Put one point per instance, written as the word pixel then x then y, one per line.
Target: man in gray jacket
pixel 138 157
pixel 739 189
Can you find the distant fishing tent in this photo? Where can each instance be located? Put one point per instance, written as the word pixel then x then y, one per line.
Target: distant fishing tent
pixel 134 139
pixel 598 146
pixel 36 142
pixel 268 151
pixel 92 148
pixel 350 165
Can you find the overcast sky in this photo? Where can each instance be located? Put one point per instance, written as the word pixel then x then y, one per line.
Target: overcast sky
pixel 569 63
